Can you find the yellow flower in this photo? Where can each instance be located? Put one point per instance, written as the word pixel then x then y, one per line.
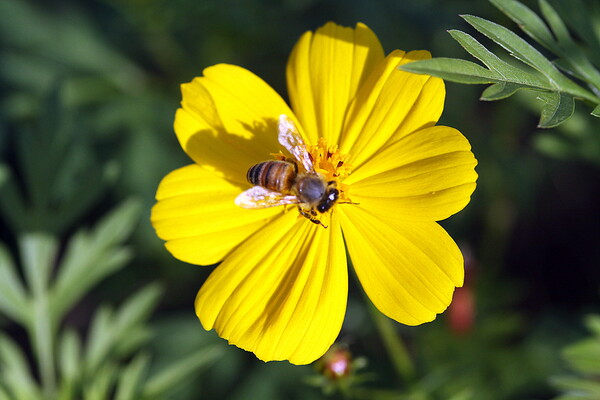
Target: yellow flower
pixel 282 286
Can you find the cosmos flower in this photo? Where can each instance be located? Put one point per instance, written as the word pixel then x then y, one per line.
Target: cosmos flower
pixel 369 131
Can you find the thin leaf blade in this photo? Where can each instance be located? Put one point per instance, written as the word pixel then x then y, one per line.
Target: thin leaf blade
pixel 527 20
pixel 557 109
pixel 38 252
pixel 556 23
pixel 166 379
pixel 499 91
pixel 15 371
pixel 130 380
pixel 477 50
pixel 517 47
pixel 13 300
pixel 91 256
pixel 452 69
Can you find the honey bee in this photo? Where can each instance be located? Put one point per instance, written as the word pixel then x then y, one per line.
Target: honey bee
pixel 279 182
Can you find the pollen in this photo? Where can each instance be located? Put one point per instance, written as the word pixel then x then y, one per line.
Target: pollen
pixel 332 164
pixel 329 162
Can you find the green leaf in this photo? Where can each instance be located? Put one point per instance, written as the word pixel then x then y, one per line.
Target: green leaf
pixel 131 378
pixel 596 111
pixel 60 174
pixel 528 20
pixel 557 109
pixel 499 91
pixel 118 225
pixel 585 388
pixel 584 356
pixel 128 330
pixel 137 308
pixel 117 333
pixel 13 299
pixel 462 71
pixel 92 256
pixel 556 23
pixel 69 365
pixel 593 324
pixel 38 252
pixel 15 371
pixel 582 17
pixel 568 67
pixel 517 47
pixel 100 340
pixel 168 378
pixel 136 336
pixel 506 79
pixel 98 385
pixel 4 395
pixel 477 50
pixel 81 47
pixel 69 353
pixel 571 53
pixel 452 69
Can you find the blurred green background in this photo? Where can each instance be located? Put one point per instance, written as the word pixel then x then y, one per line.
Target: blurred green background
pixel 90 88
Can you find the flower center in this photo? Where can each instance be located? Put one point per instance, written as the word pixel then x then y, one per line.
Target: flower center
pixel 329 163
pixel 332 164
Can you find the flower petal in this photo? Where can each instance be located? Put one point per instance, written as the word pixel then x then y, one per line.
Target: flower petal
pixel 408 270
pixel 228 120
pixel 391 104
pixel 196 215
pixel 324 72
pixel 427 175
pixel 281 294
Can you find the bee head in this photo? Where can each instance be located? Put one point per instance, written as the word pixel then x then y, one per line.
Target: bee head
pixel 329 198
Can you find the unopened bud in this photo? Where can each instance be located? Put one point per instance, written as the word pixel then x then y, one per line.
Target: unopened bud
pixel 461 313
pixel 337 363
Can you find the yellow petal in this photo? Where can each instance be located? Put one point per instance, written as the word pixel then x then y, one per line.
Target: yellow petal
pixel 196 216
pixel 228 120
pixel 427 175
pixel 391 104
pixel 282 293
pixel 324 72
pixel 409 270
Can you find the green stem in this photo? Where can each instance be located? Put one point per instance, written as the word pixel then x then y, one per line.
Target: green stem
pixel 41 332
pixel 39 254
pixel 395 346
pixel 575 90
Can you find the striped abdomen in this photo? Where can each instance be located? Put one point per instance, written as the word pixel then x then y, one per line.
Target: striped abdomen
pixel 274 175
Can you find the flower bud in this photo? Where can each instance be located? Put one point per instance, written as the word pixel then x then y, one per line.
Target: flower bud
pixel 336 363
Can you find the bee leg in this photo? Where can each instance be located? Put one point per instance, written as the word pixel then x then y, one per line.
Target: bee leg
pixel 318 222
pixel 311 216
pixel 304 213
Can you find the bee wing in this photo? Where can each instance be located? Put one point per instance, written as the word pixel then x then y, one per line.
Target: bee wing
pixel 259 197
pixel 289 137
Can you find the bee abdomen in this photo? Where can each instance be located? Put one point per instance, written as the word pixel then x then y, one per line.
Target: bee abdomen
pixel 273 175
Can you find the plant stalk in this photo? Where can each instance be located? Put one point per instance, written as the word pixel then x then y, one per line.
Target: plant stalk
pixel 39 254
pixel 396 349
